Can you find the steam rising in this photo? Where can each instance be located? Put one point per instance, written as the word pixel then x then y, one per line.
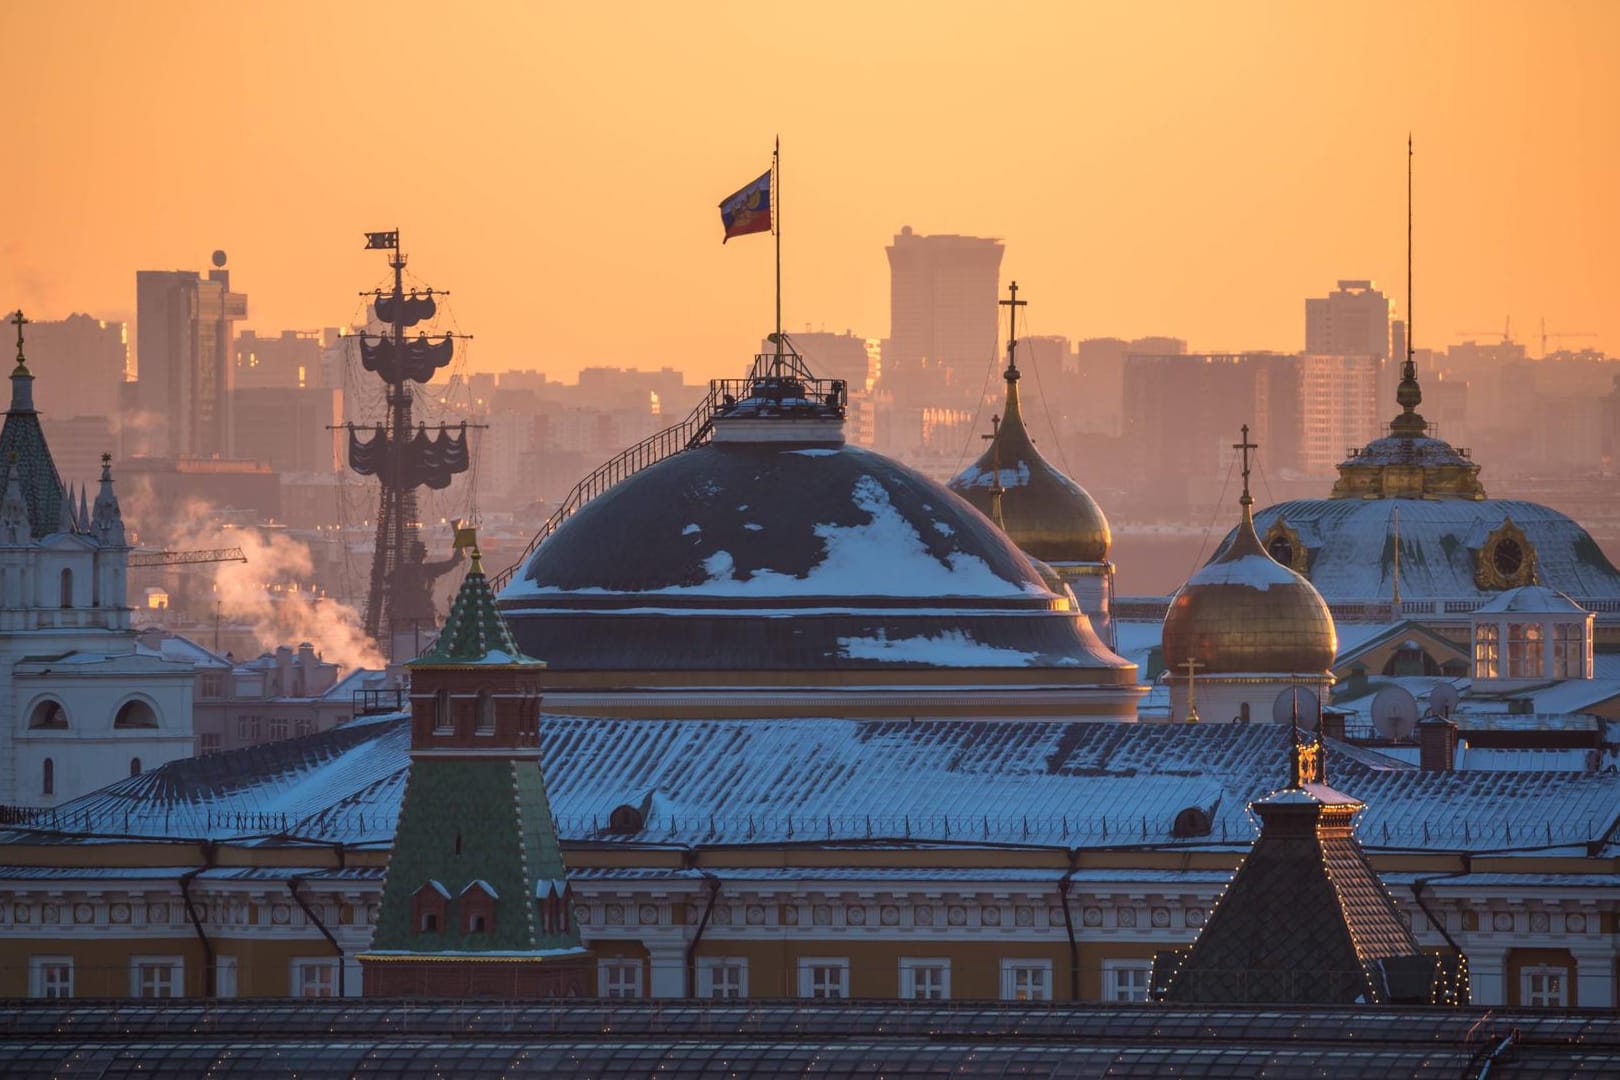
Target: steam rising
pixel 288 616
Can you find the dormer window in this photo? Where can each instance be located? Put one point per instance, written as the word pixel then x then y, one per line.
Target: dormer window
pixel 1487 652
pixel 1524 650
pixel 1572 652
pixel 429 906
pixel 477 902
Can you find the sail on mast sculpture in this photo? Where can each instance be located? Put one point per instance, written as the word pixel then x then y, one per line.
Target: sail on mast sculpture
pixel 403 458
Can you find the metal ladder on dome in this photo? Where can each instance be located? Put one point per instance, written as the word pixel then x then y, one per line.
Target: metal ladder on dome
pixel 689 434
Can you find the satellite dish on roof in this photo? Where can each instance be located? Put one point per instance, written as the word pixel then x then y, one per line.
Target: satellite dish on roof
pixel 1443 700
pixel 1310 707
pixel 1394 713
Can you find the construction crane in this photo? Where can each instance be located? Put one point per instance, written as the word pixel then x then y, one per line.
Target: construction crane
pixel 1557 335
pixel 1507 331
pixel 186 558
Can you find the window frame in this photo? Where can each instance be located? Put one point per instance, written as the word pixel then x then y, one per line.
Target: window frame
pixel 313 973
pixel 1112 985
pixel 174 969
pixel 1487 651
pixel 1011 969
pixel 618 977
pixel 1531 998
pixel 1526 650
pixel 225 969
pixel 40 983
pixel 708 983
pixel 911 966
pixel 810 966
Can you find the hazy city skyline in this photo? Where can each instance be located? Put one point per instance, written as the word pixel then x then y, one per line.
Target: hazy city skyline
pixel 1178 170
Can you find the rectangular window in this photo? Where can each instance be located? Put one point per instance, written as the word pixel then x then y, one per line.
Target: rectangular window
pixel 278 727
pixel 620 978
pixel 315 978
pixel 213 686
pixel 722 977
pixel 1126 980
pixel 1026 980
pixel 1545 987
pixel 50 976
pixel 156 976
pixel 1524 651
pixel 824 977
pixel 1487 654
pixel 249 729
pixel 304 725
pixel 925 979
pixel 1569 651
pixel 225 976
pixel 209 742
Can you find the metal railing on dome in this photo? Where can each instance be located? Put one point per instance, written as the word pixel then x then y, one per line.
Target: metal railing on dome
pixel 692 432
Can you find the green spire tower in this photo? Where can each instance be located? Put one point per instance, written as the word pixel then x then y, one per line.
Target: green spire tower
pixel 476 902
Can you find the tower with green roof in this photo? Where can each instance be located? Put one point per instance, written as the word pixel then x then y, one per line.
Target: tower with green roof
pixel 476 901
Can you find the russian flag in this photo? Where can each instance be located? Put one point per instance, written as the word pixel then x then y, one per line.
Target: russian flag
pixel 749 210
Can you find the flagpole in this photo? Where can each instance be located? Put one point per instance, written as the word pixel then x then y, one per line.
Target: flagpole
pixel 776 221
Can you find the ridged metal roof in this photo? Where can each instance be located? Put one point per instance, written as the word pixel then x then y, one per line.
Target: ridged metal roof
pixel 1059 784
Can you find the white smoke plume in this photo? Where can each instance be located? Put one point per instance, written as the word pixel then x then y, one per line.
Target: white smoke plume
pixel 272 592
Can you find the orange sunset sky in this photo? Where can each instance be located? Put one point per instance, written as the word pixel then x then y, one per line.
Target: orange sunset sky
pixel 1194 169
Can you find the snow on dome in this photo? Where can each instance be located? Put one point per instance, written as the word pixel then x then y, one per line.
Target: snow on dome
pixel 696 562
pixel 1245 613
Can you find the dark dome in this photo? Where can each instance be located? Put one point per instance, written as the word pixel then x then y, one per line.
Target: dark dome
pixel 783 555
pixel 1045 513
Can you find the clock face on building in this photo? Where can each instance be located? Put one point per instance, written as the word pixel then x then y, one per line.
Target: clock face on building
pixel 1507 556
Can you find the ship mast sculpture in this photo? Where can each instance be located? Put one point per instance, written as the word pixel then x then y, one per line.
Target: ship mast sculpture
pixel 399 599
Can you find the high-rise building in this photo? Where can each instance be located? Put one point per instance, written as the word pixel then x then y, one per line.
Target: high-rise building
pixel 86 359
pixel 291 360
pixel 1353 320
pixel 185 325
pixel 942 322
pixel 1339 409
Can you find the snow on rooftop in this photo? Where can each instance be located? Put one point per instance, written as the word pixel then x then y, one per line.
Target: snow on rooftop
pixel 884 556
pixel 948 648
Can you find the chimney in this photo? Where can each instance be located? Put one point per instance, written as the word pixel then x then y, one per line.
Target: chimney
pixel 1356 685
pixel 1333 724
pixel 1437 744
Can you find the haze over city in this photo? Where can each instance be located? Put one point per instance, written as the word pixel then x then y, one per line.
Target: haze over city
pixel 1163 169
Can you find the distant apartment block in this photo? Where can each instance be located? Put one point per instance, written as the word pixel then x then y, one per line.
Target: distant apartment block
pixel 85 361
pixel 1353 320
pixel 1340 408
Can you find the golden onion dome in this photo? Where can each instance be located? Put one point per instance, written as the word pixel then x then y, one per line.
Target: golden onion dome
pixel 1045 513
pixel 1246 613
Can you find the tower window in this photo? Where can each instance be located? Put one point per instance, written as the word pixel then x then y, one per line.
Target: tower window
pixel 485 707
pixel 134 766
pixel 48 778
pixel 67 588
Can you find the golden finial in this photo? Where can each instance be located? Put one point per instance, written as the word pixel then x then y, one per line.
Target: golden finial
pixel 1012 305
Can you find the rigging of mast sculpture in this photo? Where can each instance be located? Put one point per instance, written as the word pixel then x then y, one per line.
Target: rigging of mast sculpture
pixel 403 457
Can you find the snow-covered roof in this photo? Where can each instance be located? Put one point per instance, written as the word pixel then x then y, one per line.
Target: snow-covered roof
pixel 1532 599
pixel 1350 547
pixel 1043 783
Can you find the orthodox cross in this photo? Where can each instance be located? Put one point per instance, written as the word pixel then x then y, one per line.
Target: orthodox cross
pixel 1245 446
pixel 1192 664
pixel 996 490
pixel 1012 305
pixel 20 320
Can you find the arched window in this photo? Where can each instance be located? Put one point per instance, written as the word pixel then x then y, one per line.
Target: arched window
pixel 67 588
pixel 485 713
pixel 48 714
pixel 1191 821
pixel 442 720
pixel 135 714
pixel 134 766
pixel 48 778
pixel 625 820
